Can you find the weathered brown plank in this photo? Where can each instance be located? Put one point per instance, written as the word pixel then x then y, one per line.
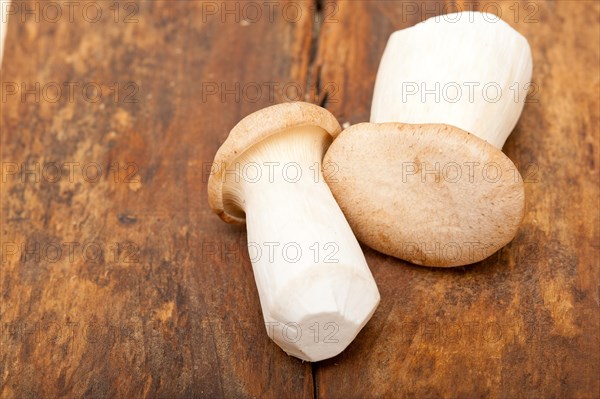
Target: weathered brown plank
pixel 174 311
pixel 523 323
pixel 171 315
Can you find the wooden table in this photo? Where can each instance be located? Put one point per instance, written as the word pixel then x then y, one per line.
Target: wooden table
pixel 117 280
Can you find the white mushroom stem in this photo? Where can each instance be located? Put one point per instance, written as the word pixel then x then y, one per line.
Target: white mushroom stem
pixel 469 69
pixel 4 5
pixel 315 288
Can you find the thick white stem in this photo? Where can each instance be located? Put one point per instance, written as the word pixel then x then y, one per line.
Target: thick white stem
pixel 315 287
pixel 470 70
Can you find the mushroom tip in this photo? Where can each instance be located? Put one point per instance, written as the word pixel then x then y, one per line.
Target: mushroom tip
pixel 468 69
pixel 323 312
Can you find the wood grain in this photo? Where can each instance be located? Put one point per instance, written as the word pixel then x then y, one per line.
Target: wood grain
pixel 170 308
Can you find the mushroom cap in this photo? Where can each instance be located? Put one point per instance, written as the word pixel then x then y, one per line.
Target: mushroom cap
pixel 431 194
pixel 255 128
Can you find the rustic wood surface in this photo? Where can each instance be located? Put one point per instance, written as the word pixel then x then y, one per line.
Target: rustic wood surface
pixel 126 285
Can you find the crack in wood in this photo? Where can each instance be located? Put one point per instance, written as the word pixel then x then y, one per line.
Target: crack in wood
pixel 313 369
pixel 313 83
pixel 313 86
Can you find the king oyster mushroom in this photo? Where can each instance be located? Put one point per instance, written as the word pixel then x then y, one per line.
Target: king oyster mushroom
pixel 315 288
pixel 426 180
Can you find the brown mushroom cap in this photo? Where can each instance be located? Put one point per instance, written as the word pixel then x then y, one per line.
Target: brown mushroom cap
pixel 431 194
pixel 255 128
